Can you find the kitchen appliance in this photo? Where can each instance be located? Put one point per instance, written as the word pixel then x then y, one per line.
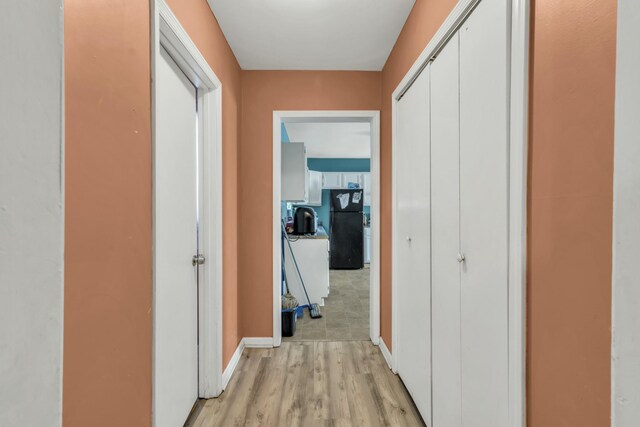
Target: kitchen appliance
pixel 305 221
pixel 346 243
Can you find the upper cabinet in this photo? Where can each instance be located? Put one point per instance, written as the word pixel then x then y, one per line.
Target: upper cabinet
pixel 315 188
pixel 349 179
pixel 331 180
pixel 295 176
pixel 337 180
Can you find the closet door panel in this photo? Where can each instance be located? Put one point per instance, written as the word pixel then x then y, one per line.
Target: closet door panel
pixel 445 237
pixel 413 244
pixel 483 215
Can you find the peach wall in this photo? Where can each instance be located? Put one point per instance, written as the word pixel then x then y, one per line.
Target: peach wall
pixel 262 93
pixel 107 318
pixel 570 212
pixel 423 22
pixel 108 288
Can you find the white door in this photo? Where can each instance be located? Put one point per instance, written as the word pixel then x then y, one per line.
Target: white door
pixel 445 235
pixel 412 243
pixel 483 214
pixel 176 242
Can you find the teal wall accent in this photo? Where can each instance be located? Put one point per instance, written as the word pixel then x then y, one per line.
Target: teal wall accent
pixel 335 165
pixel 339 165
pixel 284 136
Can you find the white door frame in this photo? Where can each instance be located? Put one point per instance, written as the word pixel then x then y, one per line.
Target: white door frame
pixel 518 140
pixel 372 117
pixel 625 346
pixel 168 33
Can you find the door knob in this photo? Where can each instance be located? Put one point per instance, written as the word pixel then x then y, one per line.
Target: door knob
pixel 198 260
pixel 409 239
pixel 461 258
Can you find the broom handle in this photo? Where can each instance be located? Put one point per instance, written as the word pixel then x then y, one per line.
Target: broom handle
pixel 296 264
pixel 284 270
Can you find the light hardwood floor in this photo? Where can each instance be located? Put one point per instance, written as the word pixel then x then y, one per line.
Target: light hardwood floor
pixel 320 383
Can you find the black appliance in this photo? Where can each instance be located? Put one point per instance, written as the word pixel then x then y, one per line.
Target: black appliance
pixel 347 230
pixel 305 221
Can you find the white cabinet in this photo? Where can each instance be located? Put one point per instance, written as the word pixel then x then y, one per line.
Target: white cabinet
pixel 315 188
pixel 366 186
pixel 294 178
pixel 331 180
pixel 312 256
pixel 352 178
pixel 337 180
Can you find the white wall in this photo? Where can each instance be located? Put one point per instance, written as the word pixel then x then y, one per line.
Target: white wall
pixel 625 403
pixel 31 212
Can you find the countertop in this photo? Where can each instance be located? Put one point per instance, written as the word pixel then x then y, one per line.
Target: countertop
pixel 321 234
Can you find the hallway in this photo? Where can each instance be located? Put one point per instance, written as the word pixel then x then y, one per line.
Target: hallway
pixel 459 187
pixel 345 383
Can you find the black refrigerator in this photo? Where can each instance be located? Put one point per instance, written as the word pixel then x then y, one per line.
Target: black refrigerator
pixel 346 251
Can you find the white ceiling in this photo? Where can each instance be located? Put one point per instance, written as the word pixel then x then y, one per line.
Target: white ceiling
pixel 311 34
pixel 333 140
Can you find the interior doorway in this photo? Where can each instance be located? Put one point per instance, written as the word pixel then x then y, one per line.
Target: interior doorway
pixel 187 223
pixel 326 224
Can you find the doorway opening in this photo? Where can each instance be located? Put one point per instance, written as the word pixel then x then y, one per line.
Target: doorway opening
pixel 326 225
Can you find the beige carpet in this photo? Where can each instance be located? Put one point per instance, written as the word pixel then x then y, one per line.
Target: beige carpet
pixel 345 315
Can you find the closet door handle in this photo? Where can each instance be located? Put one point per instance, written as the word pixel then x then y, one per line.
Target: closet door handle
pixel 409 239
pixel 460 258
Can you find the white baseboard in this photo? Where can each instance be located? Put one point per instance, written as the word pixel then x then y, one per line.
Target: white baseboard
pixel 386 354
pixel 375 340
pixel 247 342
pixel 233 363
pixel 258 342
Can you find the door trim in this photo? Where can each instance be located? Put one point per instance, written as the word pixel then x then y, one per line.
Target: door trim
pixel 169 33
pixel 518 150
pixel 372 117
pixel 625 295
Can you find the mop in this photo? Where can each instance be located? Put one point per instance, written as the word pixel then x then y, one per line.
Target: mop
pixel 314 309
pixel 289 302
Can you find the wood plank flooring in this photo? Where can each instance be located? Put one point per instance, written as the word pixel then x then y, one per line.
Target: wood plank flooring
pixel 321 383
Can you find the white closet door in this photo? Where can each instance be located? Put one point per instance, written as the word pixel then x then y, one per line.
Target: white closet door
pixel 445 235
pixel 483 214
pixel 413 244
pixel 175 215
